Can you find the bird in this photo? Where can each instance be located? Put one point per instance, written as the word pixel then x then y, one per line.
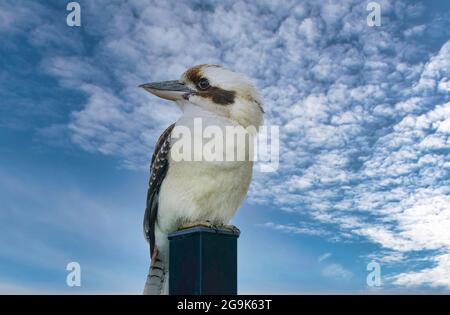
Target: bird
pixel 187 193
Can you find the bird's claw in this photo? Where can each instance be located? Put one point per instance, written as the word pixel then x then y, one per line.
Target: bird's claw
pixel 206 223
pixel 231 228
pixel 209 224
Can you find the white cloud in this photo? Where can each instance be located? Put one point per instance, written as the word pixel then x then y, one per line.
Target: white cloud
pixel 415 30
pixel 323 257
pixel 436 71
pixel 437 276
pixel 336 271
pixel 387 256
pixel 16 19
pixel 295 229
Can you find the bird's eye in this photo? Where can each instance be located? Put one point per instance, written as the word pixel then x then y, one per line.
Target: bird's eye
pixel 203 84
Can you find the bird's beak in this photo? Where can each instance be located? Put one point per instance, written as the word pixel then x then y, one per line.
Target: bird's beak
pixel 169 90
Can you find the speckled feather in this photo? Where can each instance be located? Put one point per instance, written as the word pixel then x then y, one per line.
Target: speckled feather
pixel 159 166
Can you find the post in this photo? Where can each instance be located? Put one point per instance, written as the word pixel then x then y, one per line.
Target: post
pixel 203 261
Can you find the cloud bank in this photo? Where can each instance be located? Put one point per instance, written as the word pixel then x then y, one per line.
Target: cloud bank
pixel 364 112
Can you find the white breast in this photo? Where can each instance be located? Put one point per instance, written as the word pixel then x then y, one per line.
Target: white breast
pixel 201 190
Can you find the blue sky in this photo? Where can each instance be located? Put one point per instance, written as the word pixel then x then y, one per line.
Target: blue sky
pixel 364 116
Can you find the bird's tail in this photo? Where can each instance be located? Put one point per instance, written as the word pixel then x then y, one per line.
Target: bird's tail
pixel 158 277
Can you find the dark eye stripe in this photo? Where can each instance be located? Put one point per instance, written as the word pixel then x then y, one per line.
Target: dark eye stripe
pixel 218 96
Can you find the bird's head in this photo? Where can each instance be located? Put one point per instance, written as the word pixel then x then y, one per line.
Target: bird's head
pixel 216 90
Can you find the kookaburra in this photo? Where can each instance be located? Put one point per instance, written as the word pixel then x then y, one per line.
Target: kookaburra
pixel 188 193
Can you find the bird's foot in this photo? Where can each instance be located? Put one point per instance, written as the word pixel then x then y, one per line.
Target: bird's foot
pixel 205 223
pixel 209 224
pixel 231 228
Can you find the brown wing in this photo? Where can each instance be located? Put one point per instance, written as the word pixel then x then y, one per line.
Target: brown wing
pixel 158 169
